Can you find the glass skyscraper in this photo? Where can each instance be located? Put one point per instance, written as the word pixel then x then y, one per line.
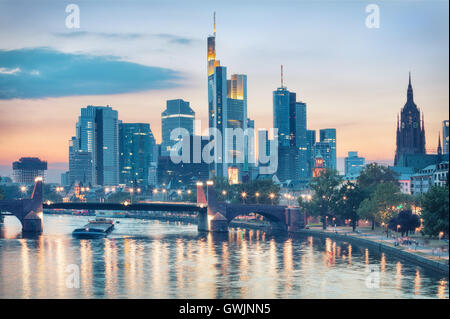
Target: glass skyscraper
pixel 328 135
pixel 136 148
pixel 98 133
pixel 178 114
pixel 227 108
pixel 289 117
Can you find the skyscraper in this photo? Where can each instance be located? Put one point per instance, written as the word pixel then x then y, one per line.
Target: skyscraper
pixel 289 117
pixel 328 135
pixel 136 150
pixel 311 140
pixel 178 114
pixel 410 128
pixel 445 136
pixel 227 108
pixel 80 164
pixel 353 164
pixel 98 133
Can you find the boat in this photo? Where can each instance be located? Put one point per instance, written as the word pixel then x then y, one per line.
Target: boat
pixel 97 228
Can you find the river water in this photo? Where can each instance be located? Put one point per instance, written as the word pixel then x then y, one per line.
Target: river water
pixel 153 259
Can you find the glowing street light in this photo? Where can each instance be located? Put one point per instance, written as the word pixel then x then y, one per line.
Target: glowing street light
pixel 257 196
pixel 23 189
pixel 189 192
pixel 272 196
pixel 155 191
pixel 209 183
pixel 243 195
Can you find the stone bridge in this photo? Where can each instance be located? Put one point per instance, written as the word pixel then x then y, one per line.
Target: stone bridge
pixel 220 214
pixel 212 215
pixel 28 211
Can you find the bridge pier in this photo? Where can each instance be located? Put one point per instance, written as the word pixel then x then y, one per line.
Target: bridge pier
pixel 28 211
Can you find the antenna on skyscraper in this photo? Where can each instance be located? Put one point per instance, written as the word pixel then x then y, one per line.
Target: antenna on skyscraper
pixel 214 23
pixel 282 76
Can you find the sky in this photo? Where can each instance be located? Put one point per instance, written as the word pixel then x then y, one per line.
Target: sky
pixel 135 55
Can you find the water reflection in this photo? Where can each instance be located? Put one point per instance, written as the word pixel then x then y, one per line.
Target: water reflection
pixel 167 260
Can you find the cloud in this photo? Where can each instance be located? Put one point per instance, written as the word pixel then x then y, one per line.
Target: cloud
pixel 9 71
pixel 171 38
pixel 42 72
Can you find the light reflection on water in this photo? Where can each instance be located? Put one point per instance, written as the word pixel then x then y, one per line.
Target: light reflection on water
pixel 151 259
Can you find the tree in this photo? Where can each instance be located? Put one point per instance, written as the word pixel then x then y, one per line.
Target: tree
pixel 348 200
pixel 374 174
pixel 324 187
pixel 404 222
pixel 435 211
pixel 118 197
pixel 382 204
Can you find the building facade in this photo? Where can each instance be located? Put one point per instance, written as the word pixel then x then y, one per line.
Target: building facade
pixel 136 150
pixel 98 133
pixel 353 165
pixel 26 169
pixel 178 114
pixel 328 136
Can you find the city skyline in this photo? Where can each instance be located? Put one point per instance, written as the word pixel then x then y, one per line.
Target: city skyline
pixel 378 142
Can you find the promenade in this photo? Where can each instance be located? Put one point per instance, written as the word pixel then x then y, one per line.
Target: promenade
pixel 432 250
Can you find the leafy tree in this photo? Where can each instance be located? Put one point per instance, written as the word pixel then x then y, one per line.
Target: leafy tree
pixel 48 194
pixel 118 197
pixel 374 174
pixel 435 211
pixel 381 206
pixel 323 200
pixel 348 200
pixel 404 222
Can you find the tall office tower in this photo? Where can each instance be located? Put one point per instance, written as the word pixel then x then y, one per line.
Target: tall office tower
pixel 324 151
pixel 136 149
pixel 80 164
pixel 26 169
pixel 227 108
pixel 301 140
pixel 178 114
pixel 290 119
pixel 328 135
pixel 410 128
pixel 236 119
pixel 445 135
pixel 98 133
pixel 311 140
pixel 353 164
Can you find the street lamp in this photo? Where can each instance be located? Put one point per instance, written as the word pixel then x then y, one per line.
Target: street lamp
pixel 243 194
pixel 272 196
pixel 257 196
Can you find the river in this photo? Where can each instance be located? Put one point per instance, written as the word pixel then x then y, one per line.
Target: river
pixel 154 259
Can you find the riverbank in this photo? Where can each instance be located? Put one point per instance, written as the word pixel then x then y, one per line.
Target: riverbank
pixel 441 266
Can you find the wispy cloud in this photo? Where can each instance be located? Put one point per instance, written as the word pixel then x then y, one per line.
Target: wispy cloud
pixel 170 38
pixel 9 71
pixel 42 72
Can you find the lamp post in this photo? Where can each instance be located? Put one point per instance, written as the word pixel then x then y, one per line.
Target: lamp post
pixel 272 196
pixel 243 195
pixel 257 197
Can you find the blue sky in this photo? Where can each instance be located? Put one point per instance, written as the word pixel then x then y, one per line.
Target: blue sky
pixel 351 77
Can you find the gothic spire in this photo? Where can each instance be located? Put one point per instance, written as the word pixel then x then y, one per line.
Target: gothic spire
pixel 439 149
pixel 410 90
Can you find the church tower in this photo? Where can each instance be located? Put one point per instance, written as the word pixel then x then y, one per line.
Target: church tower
pixel 410 128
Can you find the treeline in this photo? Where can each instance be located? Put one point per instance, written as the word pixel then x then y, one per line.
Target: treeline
pixel 376 197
